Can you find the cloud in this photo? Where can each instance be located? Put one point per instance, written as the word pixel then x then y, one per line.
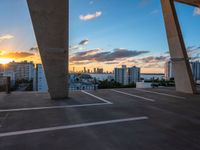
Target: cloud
pixel 96 56
pixel 6 37
pixel 79 46
pixel 91 2
pixel 153 65
pixel 84 42
pixel 90 16
pixel 112 63
pixel 196 12
pixel 154 12
pixel 89 52
pixel 34 49
pixel 16 55
pixel 144 2
pixel 154 59
pixel 193 53
pixel 150 61
pixel 80 63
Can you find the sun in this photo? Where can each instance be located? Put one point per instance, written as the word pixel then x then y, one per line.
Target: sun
pixel 5 60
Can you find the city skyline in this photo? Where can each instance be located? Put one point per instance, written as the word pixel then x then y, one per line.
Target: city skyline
pixel 102 35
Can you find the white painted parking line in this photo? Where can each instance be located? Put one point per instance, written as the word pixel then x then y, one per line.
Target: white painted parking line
pixel 105 102
pixel 133 95
pixel 15 133
pixel 159 93
pixel 97 97
pixel 52 107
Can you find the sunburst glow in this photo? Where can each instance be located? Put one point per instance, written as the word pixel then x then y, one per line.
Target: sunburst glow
pixel 5 60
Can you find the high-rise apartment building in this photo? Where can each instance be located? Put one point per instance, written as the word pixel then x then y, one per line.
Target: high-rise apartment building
pixel 23 70
pixel 168 70
pixel 40 79
pixel 133 74
pixel 126 75
pixel 195 70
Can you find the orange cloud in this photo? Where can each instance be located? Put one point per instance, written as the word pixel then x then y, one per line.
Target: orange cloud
pixel 16 55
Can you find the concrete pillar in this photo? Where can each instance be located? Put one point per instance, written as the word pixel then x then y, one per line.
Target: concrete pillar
pixel 50 23
pixel 182 70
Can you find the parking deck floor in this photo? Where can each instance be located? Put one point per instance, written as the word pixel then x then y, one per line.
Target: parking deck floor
pixel 111 119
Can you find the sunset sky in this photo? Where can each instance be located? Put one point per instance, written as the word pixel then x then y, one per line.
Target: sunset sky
pixel 103 33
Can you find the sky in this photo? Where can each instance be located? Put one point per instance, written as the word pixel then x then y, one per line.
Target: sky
pixel 103 33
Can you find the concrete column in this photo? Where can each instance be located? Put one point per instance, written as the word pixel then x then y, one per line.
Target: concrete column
pixel 50 23
pixel 182 70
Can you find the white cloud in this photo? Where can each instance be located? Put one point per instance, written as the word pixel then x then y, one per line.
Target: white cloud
pixel 6 37
pixel 143 3
pixel 90 16
pixel 196 12
pixel 154 12
pixel 91 2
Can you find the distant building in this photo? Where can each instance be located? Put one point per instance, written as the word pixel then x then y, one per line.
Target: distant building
pixel 133 74
pixel 121 75
pixel 4 75
pixel 11 74
pixel 77 81
pixel 126 75
pixel 2 81
pixel 2 68
pixel 84 70
pixel 7 73
pixel 150 76
pixel 195 66
pixel 23 70
pixel 99 70
pixel 81 82
pixel 95 70
pixel 40 80
pixel 102 76
pixel 195 70
pixel 169 73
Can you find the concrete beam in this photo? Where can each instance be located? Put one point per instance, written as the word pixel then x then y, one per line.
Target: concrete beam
pixel 182 70
pixel 195 3
pixel 50 22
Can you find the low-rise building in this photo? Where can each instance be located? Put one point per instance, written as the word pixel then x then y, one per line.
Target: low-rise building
pixel 76 81
pixel 102 76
